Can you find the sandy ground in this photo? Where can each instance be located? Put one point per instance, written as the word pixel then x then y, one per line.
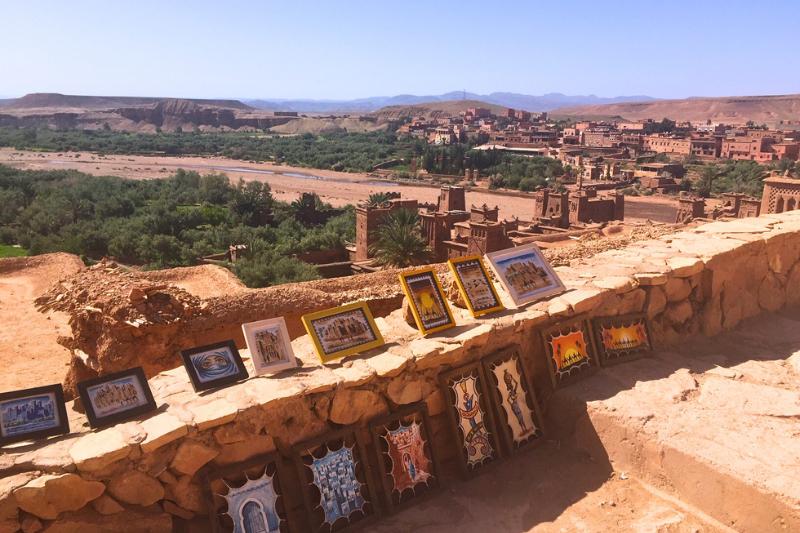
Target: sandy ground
pixel 337 188
pixel 29 353
pixel 551 489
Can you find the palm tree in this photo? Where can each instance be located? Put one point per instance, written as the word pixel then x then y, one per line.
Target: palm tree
pixel 377 198
pixel 398 241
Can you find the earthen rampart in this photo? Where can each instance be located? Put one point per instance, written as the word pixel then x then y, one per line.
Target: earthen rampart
pixel 700 281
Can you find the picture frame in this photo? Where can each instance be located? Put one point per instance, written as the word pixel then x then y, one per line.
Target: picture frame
pixel 345 501
pixel 621 338
pixel 214 365
pixel 517 414
pixel 32 414
pixel 427 300
pixel 570 353
pixel 254 491
pixel 408 468
pixel 270 345
pixel 342 331
pixel 470 415
pixel 525 274
pixel 116 397
pixel 475 285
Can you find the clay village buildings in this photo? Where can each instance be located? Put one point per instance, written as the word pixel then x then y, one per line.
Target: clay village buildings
pixel 453 231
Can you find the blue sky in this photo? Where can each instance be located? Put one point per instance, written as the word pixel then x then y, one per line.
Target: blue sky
pixel 347 49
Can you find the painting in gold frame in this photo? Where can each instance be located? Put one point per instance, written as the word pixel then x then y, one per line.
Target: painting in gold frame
pixel 475 286
pixel 342 331
pixel 427 300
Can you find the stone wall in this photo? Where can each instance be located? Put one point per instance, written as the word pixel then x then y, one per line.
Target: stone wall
pixel 145 472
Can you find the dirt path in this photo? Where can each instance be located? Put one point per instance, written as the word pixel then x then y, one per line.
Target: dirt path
pixel 29 353
pixel 337 188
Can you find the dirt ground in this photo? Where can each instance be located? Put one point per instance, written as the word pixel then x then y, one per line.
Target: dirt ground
pixel 336 188
pixel 29 353
pixel 551 489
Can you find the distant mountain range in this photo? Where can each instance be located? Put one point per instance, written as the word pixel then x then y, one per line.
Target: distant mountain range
pixel 545 102
pixel 772 109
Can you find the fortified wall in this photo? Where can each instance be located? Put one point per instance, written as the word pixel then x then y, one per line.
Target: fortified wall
pixel 700 281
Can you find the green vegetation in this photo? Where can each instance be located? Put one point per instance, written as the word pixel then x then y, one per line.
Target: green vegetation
pixel 335 151
pixel 12 251
pixel 399 241
pixel 169 222
pixel 736 176
pixel 503 169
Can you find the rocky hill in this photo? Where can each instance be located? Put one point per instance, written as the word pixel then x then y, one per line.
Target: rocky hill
pixel 433 109
pixel 56 100
pixel 732 109
pixel 133 113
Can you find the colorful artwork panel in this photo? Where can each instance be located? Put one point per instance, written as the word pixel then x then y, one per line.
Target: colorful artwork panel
pixel 426 298
pixel 517 413
pixel 569 351
pixel 116 397
pixel 31 414
pixel 525 273
pixel 247 497
pixel 337 490
pixel 622 338
pixel 269 345
pixel 406 464
pixel 213 366
pixel 475 286
pixel 473 425
pixel 342 331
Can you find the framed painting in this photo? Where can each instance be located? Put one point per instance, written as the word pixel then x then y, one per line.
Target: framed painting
pixel 427 300
pixel 270 346
pixel 116 397
pixel 214 365
pixel 247 497
pixel 525 273
pixel 335 480
pixel 569 352
pixel 31 414
pixel 519 420
pixel 470 417
pixel 474 285
pixel 407 467
pixel 621 338
pixel 342 331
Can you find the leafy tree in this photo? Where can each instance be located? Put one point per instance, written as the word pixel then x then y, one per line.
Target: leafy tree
pixel 399 241
pixel 377 198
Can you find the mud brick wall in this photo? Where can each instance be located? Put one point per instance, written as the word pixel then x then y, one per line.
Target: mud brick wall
pixel 697 282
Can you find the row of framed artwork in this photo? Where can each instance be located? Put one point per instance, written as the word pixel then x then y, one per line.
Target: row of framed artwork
pixel 492 413
pixel 572 351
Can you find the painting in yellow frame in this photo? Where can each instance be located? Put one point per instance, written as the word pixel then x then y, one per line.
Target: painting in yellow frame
pixel 342 331
pixel 475 285
pixel 427 300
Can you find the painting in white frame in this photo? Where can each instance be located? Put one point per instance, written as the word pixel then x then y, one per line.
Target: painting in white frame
pixel 269 345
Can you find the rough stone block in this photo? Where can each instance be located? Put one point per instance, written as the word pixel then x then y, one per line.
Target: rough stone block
pixel 351 405
pixel 191 457
pixel 96 451
pixel 161 429
pixel 136 488
pixel 50 495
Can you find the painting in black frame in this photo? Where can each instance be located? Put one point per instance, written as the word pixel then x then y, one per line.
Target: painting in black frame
pixel 570 352
pixel 247 496
pixel 214 365
pixel 517 414
pixel 407 466
pixel 32 414
pixel 116 397
pixel 621 338
pixel 336 482
pixel 470 415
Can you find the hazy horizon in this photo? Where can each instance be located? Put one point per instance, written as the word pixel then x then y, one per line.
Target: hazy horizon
pixel 324 51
